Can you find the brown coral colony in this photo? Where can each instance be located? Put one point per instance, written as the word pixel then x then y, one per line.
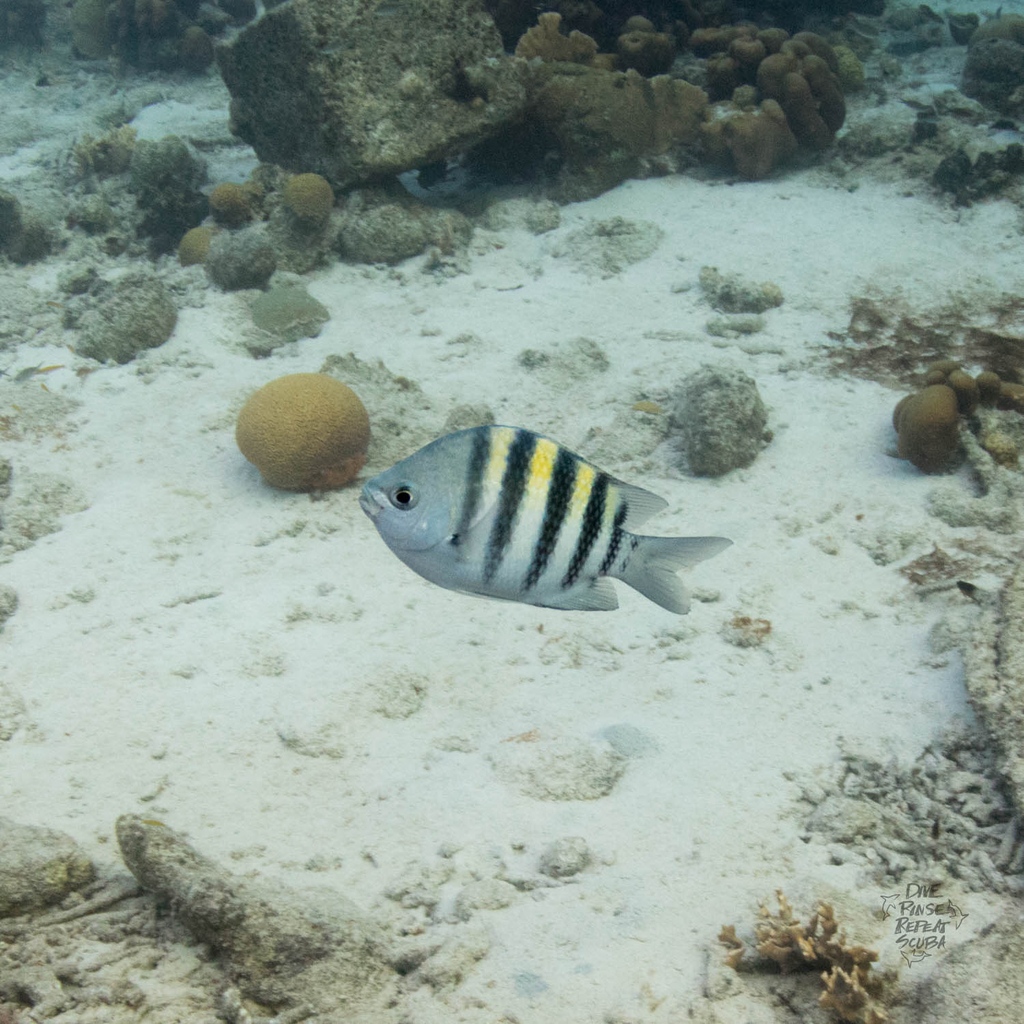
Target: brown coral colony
pixel 771 94
pixel 927 423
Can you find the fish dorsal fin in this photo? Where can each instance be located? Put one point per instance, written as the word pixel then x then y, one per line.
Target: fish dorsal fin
pixel 640 504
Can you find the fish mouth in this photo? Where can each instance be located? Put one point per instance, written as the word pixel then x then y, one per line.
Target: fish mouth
pixel 370 503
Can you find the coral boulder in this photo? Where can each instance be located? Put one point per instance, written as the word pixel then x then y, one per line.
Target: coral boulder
pixel 357 90
pixel 304 431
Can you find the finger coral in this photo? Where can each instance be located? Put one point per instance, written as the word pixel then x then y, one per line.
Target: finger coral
pixel 642 48
pixel 304 431
pixel 803 78
pixel 756 140
pixel 798 89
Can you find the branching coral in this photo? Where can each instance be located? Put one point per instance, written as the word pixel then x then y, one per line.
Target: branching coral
pixel 850 989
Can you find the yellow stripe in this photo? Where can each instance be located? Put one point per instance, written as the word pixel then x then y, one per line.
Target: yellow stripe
pixel 539 479
pixel 581 487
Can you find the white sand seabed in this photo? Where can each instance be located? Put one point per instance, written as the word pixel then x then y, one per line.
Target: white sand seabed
pixel 182 638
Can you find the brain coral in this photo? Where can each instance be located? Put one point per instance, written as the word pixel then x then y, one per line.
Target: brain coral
pixel 194 246
pixel 304 431
pixel 309 197
pixel 928 428
pixel 230 204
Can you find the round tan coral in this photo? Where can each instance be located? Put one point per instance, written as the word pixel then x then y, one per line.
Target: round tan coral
pixel 309 197
pixel 230 204
pixel 304 432
pixel 927 428
pixel 194 246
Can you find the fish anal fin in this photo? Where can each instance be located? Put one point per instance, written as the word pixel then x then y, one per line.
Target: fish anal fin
pixel 598 596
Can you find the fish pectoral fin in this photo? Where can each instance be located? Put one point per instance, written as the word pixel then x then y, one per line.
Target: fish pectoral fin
pixel 598 596
pixel 472 539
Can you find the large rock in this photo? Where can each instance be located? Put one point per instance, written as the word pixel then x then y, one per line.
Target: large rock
pixel 38 867
pixel 283 947
pixel 359 90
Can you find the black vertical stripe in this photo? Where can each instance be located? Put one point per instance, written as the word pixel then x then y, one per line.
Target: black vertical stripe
pixel 615 540
pixel 563 476
pixel 590 529
pixel 473 484
pixel 513 486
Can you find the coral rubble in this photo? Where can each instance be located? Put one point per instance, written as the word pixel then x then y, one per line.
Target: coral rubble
pixel 994 668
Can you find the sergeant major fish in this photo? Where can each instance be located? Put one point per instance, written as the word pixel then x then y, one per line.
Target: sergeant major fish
pixel 502 512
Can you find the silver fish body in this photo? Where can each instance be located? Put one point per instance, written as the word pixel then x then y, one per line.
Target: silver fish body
pixel 503 512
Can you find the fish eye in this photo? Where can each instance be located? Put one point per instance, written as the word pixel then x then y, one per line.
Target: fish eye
pixel 402 497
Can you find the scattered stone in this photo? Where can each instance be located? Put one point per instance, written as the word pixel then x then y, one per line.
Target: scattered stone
pixel 380 226
pixel 399 695
pixel 559 769
pixel 607 247
pixel 285 313
pixel 720 419
pixel 133 314
pixel 730 293
pixel 35 508
pixel 241 259
pixel 484 894
pixel 537 216
pixel 946 814
pixel 565 857
pixel 38 867
pixel 446 968
pixel 13 714
pixel 997 501
pixel 733 325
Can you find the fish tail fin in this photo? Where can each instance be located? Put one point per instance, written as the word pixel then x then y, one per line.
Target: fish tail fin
pixel 652 566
